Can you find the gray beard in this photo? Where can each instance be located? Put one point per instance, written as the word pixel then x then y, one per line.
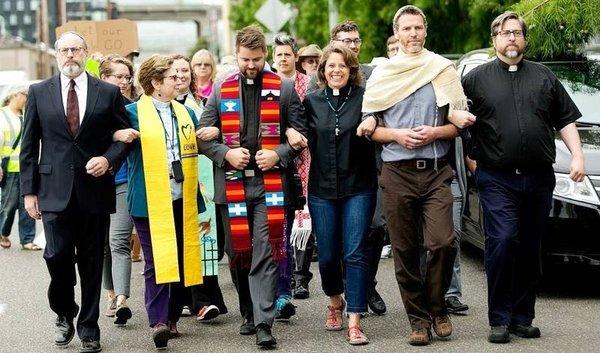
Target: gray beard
pixel 511 54
pixel 71 70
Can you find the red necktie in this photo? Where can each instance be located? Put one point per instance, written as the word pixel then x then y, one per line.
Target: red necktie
pixel 72 109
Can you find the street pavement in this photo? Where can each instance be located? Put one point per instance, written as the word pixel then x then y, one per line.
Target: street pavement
pixel 567 313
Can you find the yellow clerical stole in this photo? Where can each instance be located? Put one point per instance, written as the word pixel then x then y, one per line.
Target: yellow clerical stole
pixel 158 194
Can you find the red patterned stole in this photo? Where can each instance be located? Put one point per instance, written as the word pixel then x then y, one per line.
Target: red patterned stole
pixel 270 132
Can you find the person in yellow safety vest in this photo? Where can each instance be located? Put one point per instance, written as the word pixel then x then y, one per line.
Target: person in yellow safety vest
pixel 11 116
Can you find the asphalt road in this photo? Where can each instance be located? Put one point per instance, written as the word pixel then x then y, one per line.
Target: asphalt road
pixel 567 313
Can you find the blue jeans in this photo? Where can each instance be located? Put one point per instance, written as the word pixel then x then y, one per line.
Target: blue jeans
pixel 11 201
pixel 341 228
pixel 455 286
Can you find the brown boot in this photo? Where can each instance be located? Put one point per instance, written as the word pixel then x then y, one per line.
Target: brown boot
pixel 442 326
pixel 135 248
pixel 419 337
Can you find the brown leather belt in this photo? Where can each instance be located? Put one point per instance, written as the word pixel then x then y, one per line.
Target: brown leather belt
pixel 419 164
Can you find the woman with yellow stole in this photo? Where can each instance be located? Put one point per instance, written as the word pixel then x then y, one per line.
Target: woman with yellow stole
pixel 163 196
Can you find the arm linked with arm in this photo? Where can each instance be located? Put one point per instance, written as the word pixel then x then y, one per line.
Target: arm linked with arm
pixel 214 149
pixel 117 151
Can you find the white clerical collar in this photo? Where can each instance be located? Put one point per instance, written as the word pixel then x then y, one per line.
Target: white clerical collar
pixel 249 81
pixel 159 104
pixel 513 68
pixel 336 92
pixel 182 96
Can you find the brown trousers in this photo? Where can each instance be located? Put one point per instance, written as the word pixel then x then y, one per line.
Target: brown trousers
pixel 418 210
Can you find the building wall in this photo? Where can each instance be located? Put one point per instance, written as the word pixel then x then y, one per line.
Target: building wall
pixel 38 65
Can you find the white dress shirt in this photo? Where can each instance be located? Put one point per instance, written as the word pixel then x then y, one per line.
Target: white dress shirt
pixel 81 87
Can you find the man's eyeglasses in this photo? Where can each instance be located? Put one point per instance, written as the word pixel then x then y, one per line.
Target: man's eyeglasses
pixel 506 33
pixel 74 50
pixel 121 78
pixel 348 41
pixel 172 77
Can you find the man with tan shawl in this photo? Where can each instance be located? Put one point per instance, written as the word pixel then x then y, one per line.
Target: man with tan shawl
pixel 413 94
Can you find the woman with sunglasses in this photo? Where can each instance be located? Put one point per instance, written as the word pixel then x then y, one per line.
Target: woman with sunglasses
pixel 204 68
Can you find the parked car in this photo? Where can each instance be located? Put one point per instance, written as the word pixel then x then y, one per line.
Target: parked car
pixel 574 220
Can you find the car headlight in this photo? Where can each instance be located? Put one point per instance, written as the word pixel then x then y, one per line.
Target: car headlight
pixel 582 192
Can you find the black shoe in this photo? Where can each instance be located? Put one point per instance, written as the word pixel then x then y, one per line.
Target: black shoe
pixel 455 306
pixel 524 331
pixel 264 338
pixel 90 346
pixel 247 328
pixel 122 314
pixel 499 334
pixel 301 291
pixel 376 303
pixel 161 336
pixel 64 330
pixel 286 312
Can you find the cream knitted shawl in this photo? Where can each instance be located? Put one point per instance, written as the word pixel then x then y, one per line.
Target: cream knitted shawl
pixel 404 73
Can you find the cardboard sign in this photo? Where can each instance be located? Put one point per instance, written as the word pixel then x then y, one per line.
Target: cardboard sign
pixel 107 37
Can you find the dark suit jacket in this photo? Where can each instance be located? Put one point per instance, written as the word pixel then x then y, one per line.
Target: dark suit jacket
pixel 57 169
pixel 291 115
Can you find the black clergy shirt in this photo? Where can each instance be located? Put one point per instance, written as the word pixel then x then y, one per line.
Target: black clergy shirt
pixel 251 120
pixel 342 165
pixel 517 114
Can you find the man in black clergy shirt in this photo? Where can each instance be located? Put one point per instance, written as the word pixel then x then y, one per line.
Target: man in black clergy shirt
pixel 518 104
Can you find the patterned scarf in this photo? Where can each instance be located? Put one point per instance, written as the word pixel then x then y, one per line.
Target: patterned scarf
pixel 270 132
pixel 302 227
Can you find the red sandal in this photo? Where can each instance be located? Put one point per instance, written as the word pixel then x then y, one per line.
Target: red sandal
pixel 356 336
pixel 334 317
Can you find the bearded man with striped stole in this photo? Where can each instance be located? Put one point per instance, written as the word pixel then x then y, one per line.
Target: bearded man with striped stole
pixel 254 166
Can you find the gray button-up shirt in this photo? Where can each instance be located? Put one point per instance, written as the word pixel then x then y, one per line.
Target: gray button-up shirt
pixel 415 110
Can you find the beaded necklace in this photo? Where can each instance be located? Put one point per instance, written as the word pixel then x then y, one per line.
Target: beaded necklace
pixel 337 111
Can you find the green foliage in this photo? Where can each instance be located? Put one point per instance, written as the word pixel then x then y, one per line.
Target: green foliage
pixel 201 43
pixel 455 26
pixel 559 28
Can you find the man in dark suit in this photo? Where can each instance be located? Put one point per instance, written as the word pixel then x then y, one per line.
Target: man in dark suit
pixel 68 183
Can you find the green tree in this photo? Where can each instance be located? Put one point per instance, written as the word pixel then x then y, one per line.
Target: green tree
pixel 559 28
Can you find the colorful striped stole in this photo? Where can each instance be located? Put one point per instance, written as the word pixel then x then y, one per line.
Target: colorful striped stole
pixel 270 135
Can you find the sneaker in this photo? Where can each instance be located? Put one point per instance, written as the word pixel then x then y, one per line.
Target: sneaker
pixel 301 291
pixel 386 252
pixel 207 313
pixel 334 317
pixel 186 311
pixel 442 326
pixel 356 336
pixel 111 307
pixel 285 308
pixel 419 337
pixel 455 306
